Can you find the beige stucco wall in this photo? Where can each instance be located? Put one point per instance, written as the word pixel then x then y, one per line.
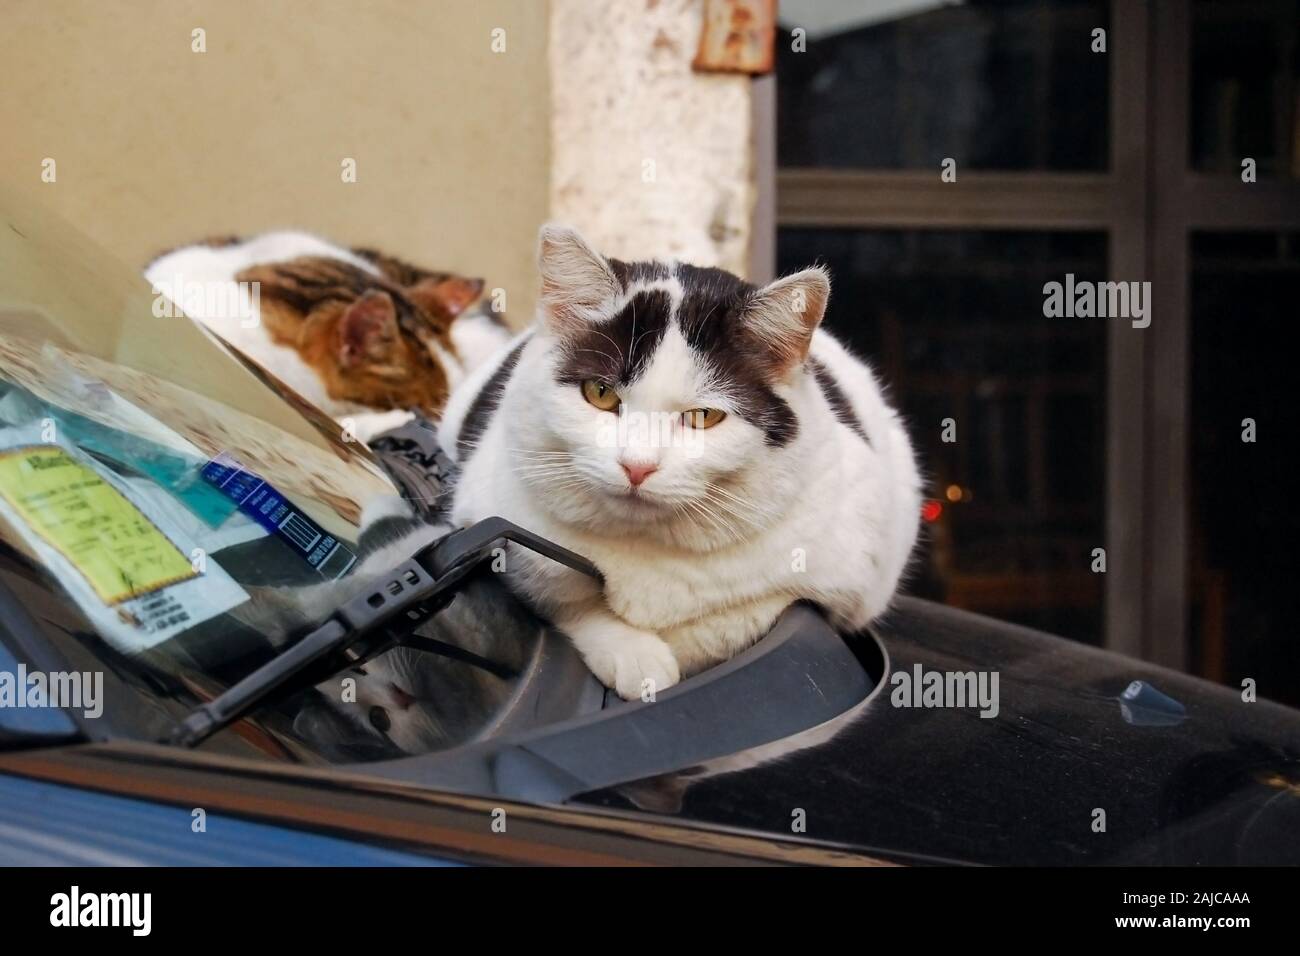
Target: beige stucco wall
pixel 649 158
pixel 157 145
pixel 592 116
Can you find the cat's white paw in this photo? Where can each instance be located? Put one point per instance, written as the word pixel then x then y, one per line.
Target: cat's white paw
pixel 635 665
pixel 363 426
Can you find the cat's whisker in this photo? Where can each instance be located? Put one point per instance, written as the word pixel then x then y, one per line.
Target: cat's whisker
pixel 543 468
pixel 551 462
pixel 552 486
pixel 638 339
pixel 750 519
pixel 631 352
pixel 543 473
pixel 719 490
pixel 524 462
pixel 749 506
pixel 740 516
pixel 617 347
pixel 605 355
pixel 744 521
pixel 545 459
pixel 558 467
pixel 738 508
pixel 547 455
pixel 716 521
pixel 552 478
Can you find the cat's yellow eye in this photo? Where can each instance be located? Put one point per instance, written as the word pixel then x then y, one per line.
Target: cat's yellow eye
pixel 703 417
pixel 601 394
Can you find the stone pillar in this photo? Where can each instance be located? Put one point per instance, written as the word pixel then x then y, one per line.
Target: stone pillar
pixel 649 159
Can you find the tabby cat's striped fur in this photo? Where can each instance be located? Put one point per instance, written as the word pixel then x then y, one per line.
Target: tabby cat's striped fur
pixel 366 337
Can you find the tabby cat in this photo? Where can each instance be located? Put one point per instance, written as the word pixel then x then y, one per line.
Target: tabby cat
pixel 366 337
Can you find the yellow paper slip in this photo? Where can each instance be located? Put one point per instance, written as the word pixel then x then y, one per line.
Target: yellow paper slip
pixel 115 547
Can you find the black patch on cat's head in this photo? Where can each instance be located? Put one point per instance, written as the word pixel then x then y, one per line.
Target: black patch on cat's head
pixel 712 320
pixel 617 350
pixel 711 317
pixel 630 273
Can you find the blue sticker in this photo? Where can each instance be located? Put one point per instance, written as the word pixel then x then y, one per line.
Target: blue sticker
pixel 164 466
pixel 274 512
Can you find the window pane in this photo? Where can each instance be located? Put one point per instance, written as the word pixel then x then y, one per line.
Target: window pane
pixel 1243 522
pixel 1011 84
pixel 954 323
pixel 1245 86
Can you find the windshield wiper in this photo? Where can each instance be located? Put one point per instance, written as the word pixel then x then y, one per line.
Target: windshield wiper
pixel 374 621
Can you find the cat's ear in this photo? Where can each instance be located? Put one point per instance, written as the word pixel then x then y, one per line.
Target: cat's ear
pixel 447 297
pixel 366 327
pixel 578 285
pixel 784 315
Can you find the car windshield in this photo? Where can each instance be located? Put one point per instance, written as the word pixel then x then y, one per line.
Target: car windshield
pixel 164 505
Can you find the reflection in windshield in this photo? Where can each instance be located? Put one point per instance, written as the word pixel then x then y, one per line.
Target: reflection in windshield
pixel 202 476
pixel 333 478
pixel 177 515
pixel 149 402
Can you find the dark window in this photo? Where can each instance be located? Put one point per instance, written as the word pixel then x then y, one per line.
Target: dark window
pixel 1244 524
pixel 954 324
pixel 1005 85
pixel 1246 87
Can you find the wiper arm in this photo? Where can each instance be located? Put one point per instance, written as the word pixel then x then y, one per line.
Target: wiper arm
pixel 384 615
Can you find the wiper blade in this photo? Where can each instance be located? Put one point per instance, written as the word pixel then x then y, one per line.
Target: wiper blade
pixel 383 616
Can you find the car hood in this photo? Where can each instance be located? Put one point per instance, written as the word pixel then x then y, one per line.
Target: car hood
pixel 1091 757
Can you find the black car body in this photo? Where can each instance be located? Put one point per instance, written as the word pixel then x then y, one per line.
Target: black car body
pixel 1185 772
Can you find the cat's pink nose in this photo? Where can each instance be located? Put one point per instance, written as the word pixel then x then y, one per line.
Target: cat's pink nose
pixel 638 472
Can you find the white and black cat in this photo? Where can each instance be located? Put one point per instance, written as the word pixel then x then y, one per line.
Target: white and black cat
pixel 703 442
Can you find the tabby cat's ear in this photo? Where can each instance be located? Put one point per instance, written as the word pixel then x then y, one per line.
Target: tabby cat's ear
pixel 578 285
pixel 445 298
pixel 368 326
pixel 784 315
